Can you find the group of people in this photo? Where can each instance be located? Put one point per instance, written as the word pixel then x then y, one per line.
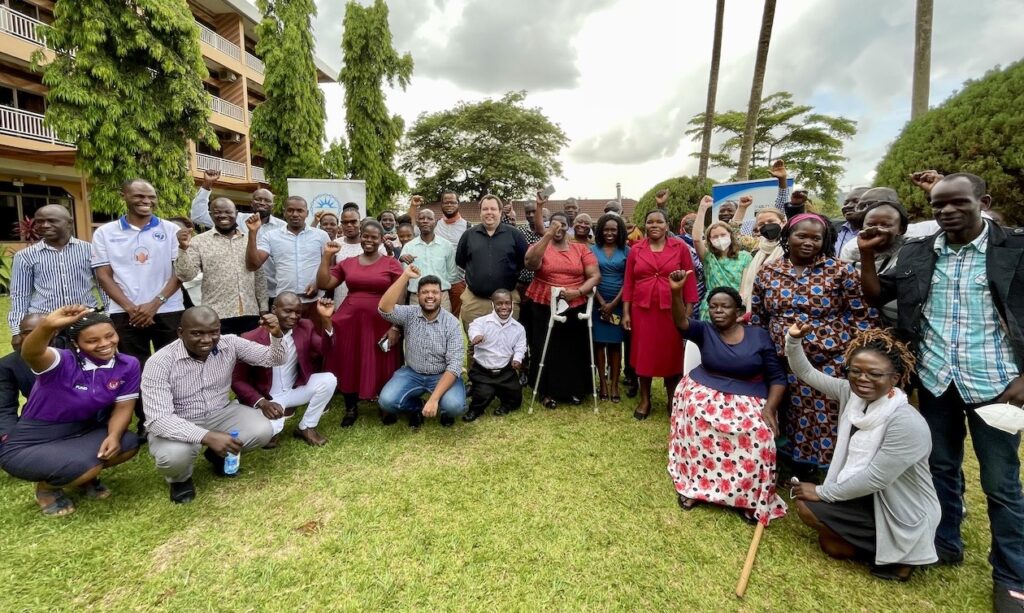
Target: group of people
pixel 813 336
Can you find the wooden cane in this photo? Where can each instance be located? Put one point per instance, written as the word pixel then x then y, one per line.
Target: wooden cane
pixel 741 586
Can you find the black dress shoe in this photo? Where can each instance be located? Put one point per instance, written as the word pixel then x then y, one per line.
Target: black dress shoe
pixel 447 421
pixel 471 416
pixel 388 418
pixel 637 415
pixel 183 492
pixel 415 420
pixel 500 411
pixel 350 417
pixel 632 389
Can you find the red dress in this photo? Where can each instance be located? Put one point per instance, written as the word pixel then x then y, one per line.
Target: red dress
pixel 657 347
pixel 356 360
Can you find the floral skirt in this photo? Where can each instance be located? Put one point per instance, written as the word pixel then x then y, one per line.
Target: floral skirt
pixel 721 451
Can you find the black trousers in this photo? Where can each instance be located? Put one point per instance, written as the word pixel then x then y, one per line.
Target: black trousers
pixel 488 383
pixel 140 343
pixel 239 325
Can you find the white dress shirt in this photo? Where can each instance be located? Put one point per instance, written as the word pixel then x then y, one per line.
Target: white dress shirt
pixel 504 342
pixel 285 374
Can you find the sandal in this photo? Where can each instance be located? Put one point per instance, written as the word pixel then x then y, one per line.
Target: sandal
pixel 60 506
pixel 616 398
pixel 687 504
pixel 892 572
pixel 549 403
pixel 95 490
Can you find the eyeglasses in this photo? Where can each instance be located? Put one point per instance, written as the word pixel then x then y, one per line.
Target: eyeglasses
pixel 873 375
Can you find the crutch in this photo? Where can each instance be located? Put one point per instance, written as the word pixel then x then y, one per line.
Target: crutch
pixel 552 318
pixel 590 334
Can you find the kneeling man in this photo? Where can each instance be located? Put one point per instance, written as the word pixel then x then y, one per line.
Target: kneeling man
pixel 185 389
pixel 433 353
pixel 277 391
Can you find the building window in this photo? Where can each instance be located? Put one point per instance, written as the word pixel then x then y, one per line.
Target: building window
pixel 20 99
pixel 20 202
pixel 20 6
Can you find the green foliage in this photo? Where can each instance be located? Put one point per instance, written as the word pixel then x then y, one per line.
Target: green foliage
pixel 811 143
pixel 373 134
pixel 131 96
pixel 978 130
pixel 335 162
pixel 490 147
pixel 684 196
pixel 288 129
pixel 6 268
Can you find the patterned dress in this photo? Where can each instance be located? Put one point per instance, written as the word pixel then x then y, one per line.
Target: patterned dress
pixel 723 272
pixel 827 294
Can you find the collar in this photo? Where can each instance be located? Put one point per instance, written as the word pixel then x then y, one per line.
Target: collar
pixel 237 233
pixel 154 221
pixel 419 313
pixel 980 243
pixel 493 316
pixel 180 353
pixel 88 364
pixel 284 228
pixel 71 241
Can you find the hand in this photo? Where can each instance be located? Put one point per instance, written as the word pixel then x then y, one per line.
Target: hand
pixel 331 249
pixel 65 316
pixel 209 178
pixel 325 308
pixel 607 310
pixel 411 272
pixel 800 330
pixel 661 197
pixel 677 279
pixel 1014 393
pixel 311 291
pixel 271 410
pixel 627 322
pixel 540 200
pixel 479 338
pixel 745 201
pixel 184 238
pixel 417 200
pixel 778 169
pixel 555 225
pixel 870 240
pixel 705 203
pixel 143 317
pixel 389 248
pixel 390 237
pixel 269 321
pixel 253 222
pixel 316 218
pixel 805 491
pixel 772 419
pixel 430 408
pixel 925 179
pixel 517 366
pixel 110 447
pixel 570 294
pixel 394 337
pixel 407 258
pixel 222 443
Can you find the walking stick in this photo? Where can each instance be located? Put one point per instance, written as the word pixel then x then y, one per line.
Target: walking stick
pixel 547 338
pixel 748 565
pixel 588 315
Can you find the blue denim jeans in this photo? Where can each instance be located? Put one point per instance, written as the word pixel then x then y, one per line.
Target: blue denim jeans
pixel 403 393
pixel 1000 480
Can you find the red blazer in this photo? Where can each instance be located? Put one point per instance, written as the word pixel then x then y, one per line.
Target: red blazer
pixel 646 283
pixel 250 383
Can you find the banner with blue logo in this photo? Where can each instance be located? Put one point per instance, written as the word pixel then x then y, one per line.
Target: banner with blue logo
pixel 329 194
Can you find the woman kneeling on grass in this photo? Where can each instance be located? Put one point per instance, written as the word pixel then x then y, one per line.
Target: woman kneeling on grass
pixel 878 501
pixel 721 443
pixel 75 422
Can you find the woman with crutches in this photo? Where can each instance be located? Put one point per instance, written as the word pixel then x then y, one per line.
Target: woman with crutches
pixel 559 263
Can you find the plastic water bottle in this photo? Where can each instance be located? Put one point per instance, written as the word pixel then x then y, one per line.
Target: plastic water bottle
pixel 231 460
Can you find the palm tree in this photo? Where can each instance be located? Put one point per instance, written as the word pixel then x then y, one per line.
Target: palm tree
pixel 709 110
pixel 922 58
pixel 756 87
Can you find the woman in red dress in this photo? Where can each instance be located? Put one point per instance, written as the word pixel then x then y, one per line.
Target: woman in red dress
pixel 657 347
pixel 359 363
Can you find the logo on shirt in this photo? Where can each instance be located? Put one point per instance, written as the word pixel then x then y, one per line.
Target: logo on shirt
pixel 113 384
pixel 159 235
pixel 141 255
pixel 81 388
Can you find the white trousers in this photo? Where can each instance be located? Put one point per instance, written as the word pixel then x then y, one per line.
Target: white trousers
pixel 317 392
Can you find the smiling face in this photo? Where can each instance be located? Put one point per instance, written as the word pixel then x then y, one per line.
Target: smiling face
pixel 502 305
pixel 350 224
pixel 956 207
pixel 723 310
pixel 370 239
pixel 805 242
pixel 387 219
pixel 449 205
pixel 851 208
pixel 581 227
pixel 329 224
pixel 53 223
pixel 656 225
pixel 98 341
pixel 490 213
pixel 140 198
pixel 199 331
pixel 263 202
pixel 428 296
pixel 610 233
pixel 224 215
pixel 871 375
pixel 887 219
pixel 288 310
pixel 726 212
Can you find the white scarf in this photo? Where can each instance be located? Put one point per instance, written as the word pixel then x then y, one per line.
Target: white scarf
pixel 854 453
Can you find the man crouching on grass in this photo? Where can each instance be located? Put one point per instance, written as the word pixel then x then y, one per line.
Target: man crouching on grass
pixel 433 353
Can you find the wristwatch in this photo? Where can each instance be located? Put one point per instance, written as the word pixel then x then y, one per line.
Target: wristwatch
pixel 161 298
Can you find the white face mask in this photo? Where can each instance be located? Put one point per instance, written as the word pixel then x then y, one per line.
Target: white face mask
pixel 721 243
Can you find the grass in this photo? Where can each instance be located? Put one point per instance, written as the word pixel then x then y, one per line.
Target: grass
pixel 556 510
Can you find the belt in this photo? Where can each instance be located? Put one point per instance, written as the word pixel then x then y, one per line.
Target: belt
pixel 493 371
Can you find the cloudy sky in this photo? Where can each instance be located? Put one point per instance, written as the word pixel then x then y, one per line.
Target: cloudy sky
pixel 622 77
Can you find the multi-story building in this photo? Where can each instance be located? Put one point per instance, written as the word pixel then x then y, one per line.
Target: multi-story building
pixel 37 168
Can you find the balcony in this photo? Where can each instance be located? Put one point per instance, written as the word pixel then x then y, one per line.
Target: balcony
pixel 226 167
pixel 218 42
pixel 22 26
pixel 223 107
pixel 258 175
pixel 254 62
pixel 25 124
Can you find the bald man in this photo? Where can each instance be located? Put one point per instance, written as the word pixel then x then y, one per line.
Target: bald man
pixel 55 272
pixel 185 389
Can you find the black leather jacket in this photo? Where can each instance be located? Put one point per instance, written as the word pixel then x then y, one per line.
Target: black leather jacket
pixel 909 283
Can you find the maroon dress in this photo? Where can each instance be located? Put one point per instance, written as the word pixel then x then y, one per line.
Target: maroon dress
pixel 356 360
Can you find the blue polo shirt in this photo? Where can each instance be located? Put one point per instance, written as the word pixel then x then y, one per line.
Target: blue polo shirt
pixel 76 389
pixel 142 260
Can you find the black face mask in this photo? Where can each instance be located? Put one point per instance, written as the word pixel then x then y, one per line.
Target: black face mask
pixel 771 231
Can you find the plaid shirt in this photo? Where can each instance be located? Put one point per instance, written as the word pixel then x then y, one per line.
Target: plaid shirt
pixel 526 275
pixel 963 339
pixel 431 347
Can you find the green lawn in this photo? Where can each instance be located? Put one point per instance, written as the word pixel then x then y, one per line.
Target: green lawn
pixel 556 510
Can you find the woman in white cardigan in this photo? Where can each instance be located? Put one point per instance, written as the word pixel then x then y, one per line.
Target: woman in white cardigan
pixel 878 501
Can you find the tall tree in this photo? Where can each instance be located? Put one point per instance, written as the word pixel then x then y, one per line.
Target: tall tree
pixel 922 58
pixel 335 162
pixel 126 85
pixel 489 147
pixel 811 143
pixel 756 89
pixel 709 109
pixel 288 129
pixel 373 134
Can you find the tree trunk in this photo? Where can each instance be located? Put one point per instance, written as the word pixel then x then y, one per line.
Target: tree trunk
pixel 922 58
pixel 709 110
pixel 756 89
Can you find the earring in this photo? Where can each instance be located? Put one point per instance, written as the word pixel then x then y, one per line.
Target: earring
pixel 892 392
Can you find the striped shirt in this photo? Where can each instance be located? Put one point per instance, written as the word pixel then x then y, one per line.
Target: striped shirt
pixel 964 341
pixel 43 279
pixel 178 390
pixel 431 347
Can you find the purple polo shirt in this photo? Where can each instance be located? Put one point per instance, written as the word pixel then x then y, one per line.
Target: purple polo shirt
pixel 76 389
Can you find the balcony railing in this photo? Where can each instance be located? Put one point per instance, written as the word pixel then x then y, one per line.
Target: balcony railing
pixel 254 62
pixel 223 107
pixel 20 25
pixel 258 174
pixel 217 41
pixel 226 167
pixel 26 124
